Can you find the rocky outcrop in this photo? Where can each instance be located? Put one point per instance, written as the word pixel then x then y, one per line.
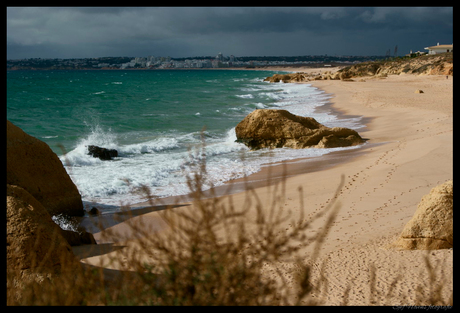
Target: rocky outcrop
pixel 32 165
pixel 441 64
pixel 287 78
pixel 266 128
pixel 304 77
pixel 431 227
pixel 102 153
pixel 33 241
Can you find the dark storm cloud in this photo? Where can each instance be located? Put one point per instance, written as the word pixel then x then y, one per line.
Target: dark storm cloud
pixel 103 31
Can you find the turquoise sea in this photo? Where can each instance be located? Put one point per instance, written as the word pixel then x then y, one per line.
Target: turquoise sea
pixel 154 119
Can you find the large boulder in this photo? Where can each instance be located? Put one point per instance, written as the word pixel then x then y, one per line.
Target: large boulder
pixel 32 165
pixel 267 128
pixel 33 241
pixel 432 226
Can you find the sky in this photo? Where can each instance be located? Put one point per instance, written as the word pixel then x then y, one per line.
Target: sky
pixel 86 32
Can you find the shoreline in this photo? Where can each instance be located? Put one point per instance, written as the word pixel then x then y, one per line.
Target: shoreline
pixel 261 179
pixel 409 151
pixel 273 172
pixel 270 174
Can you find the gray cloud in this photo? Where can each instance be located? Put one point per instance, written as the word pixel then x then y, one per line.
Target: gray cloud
pixel 188 31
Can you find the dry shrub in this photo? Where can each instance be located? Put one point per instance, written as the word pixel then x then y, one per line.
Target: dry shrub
pixel 213 253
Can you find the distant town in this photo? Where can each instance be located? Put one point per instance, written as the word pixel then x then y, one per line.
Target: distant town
pixel 204 62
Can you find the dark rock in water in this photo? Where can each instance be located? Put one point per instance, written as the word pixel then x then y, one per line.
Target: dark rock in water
pixel 102 153
pixel 93 211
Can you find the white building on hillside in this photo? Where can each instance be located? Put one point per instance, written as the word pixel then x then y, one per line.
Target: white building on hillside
pixel 440 49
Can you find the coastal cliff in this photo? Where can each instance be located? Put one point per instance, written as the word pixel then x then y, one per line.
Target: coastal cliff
pixel 440 64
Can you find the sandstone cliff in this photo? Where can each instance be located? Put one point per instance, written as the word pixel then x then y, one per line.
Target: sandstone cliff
pixel 266 128
pixel 33 241
pixel 441 64
pixel 32 165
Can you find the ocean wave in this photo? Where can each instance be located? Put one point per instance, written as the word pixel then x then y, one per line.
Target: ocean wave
pixel 225 145
pixel 247 96
pixel 157 145
pixel 66 222
pixel 79 157
pixel 271 95
pixel 259 105
pixel 252 88
pixel 140 164
pixel 113 181
pixel 107 139
pixel 98 137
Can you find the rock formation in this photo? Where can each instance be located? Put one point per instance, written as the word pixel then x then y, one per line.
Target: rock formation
pixel 266 128
pixel 102 153
pixel 32 165
pixel 440 64
pixel 33 241
pixel 286 78
pixel 431 227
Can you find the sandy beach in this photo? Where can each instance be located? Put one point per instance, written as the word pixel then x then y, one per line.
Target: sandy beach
pixel 408 152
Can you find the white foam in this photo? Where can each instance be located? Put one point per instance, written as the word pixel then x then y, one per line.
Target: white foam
pixel 65 222
pixel 152 163
pixel 303 100
pixel 247 96
pixel 156 145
